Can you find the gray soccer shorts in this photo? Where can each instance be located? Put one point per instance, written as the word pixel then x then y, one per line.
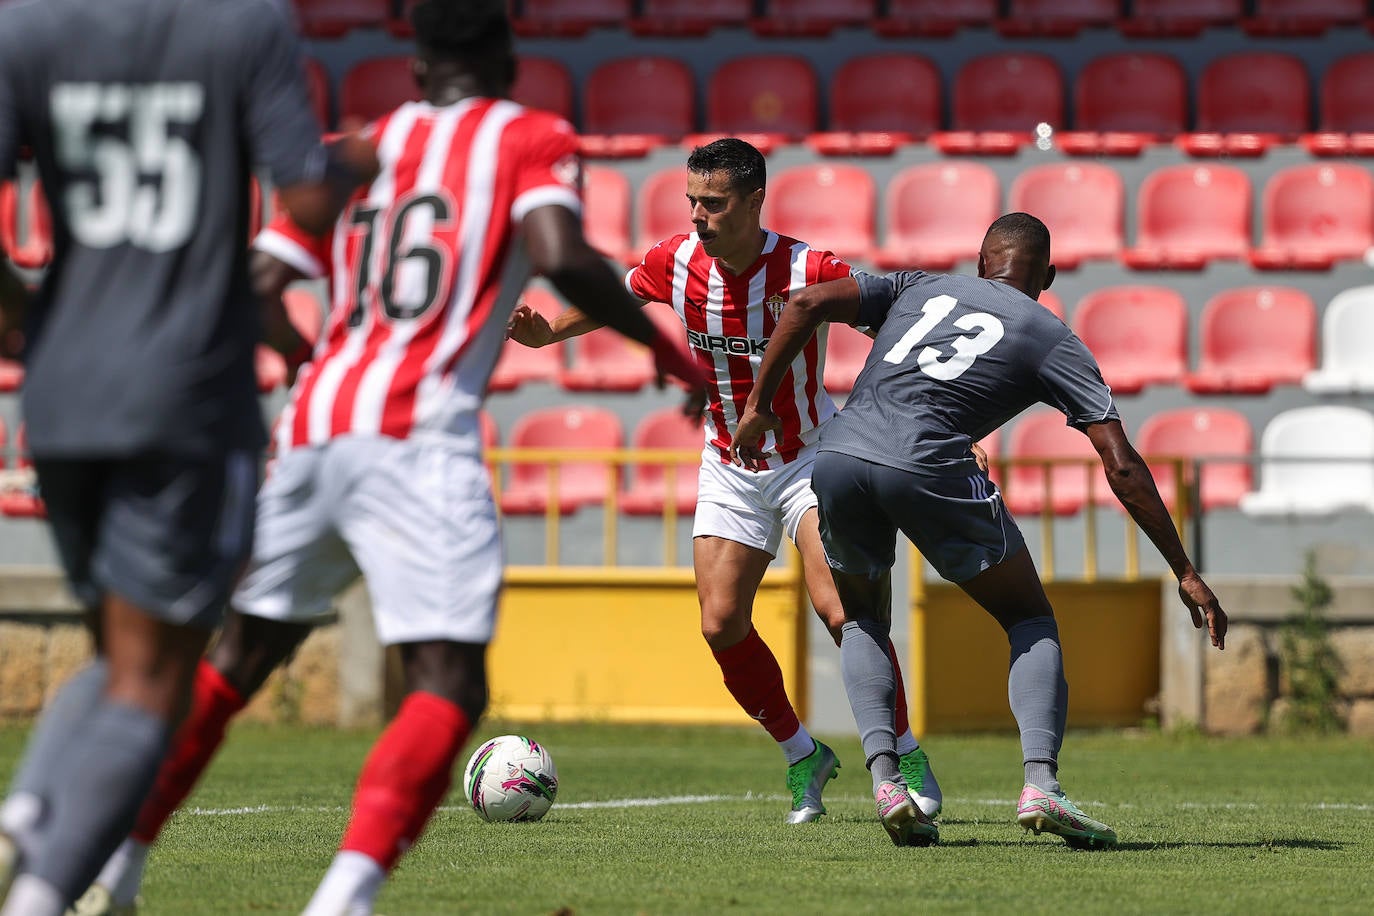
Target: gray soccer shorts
pixel 170 534
pixel 958 523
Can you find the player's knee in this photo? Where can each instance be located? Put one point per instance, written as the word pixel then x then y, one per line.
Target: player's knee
pixel 724 627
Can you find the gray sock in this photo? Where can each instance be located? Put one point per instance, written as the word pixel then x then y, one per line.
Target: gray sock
pixel 872 688
pixel 63 717
pixel 107 769
pixel 1039 697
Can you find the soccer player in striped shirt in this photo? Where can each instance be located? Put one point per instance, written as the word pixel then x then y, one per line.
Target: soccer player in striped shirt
pixel 379 467
pixel 729 282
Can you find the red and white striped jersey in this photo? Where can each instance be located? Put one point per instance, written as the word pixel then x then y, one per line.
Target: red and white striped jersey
pixel 729 318
pixel 425 269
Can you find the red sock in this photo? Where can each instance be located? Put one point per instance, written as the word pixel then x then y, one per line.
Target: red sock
pixel 754 679
pixel 214 701
pixel 900 722
pixel 405 777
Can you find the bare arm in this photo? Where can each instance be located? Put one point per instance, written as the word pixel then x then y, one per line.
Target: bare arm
pixel 836 300
pixel 1130 480
pixel 532 329
pixel 315 205
pixel 270 280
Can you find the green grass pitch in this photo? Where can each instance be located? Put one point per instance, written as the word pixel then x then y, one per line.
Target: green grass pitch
pixel 1218 826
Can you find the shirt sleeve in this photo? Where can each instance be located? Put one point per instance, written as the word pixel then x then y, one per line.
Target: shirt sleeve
pixel 829 267
pixel 651 280
pixel 1073 383
pixel 294 247
pixel 876 295
pixel 283 135
pixel 549 170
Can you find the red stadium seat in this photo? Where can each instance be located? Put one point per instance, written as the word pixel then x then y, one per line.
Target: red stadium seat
pixel 665 428
pixel 846 351
pixel 317 82
pixel 543 83
pixel 690 17
pixel 1200 433
pixel 1057 17
pixel 763 94
pixel 605 360
pixel 1179 17
pixel 579 484
pixel 998 101
pixel 1122 102
pixel 934 17
pixel 606 199
pixel 1347 109
pixel 649 98
pixel 332 18
pixel 1046 434
pixel 1189 215
pixel 569 17
pixel 662 207
pixel 878 102
pixel 519 364
pixel 11 377
pixel 937 214
pixel 1315 215
pixel 812 17
pixel 1253 338
pixel 1139 335
pixel 1050 300
pixel 1082 204
pixel 35 228
pixel 491 433
pixel 1303 17
pixel 373 87
pixel 1260 96
pixel 829 206
pixel 22 503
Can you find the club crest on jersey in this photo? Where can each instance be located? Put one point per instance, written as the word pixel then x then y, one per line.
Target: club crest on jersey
pixel 774 303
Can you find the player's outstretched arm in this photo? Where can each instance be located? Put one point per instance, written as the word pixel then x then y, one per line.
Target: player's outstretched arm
pixel 806 310
pixel 1130 480
pixel 532 329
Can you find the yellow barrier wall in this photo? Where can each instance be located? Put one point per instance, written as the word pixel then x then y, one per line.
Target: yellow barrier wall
pixel 1110 635
pixel 624 645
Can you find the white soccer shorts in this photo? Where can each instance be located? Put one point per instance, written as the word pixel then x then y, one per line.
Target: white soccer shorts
pixel 753 508
pixel 415 517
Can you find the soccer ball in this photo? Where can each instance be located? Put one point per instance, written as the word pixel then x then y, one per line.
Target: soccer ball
pixel 510 778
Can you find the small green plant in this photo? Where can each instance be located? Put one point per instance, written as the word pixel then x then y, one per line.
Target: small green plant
pixel 1310 665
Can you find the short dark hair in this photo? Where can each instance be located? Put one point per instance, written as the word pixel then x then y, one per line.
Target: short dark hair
pixel 461 29
pixel 742 162
pixel 1023 232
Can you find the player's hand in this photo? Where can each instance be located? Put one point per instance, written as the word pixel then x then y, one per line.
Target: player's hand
pixel 671 360
pixel 979 456
pixel 746 448
pixel 528 327
pixel 1204 607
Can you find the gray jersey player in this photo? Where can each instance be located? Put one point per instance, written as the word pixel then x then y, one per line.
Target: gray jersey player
pixel 954 358
pixel 145 118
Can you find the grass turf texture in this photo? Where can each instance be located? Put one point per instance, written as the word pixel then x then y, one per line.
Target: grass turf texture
pixel 1252 825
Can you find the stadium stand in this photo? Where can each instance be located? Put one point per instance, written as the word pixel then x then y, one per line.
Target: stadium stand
pixel 1050 300
pixel 812 17
pixel 998 99
pixel 544 83
pixel 317 82
pixel 1315 215
pixel 769 99
pixel 1303 17
pixel 936 214
pixel 631 105
pixel 1249 101
pixel 1298 475
pixel 518 364
pixel 1044 434
pixel 879 102
pixel 604 360
pixel 1201 434
pixel 1162 18
pixel 569 17
pixel 35 249
pixel 690 17
pixel 1346 119
pixel 1189 215
pixel 1347 345
pixel 335 18
pixel 1254 338
pixel 992 445
pixel 1057 17
pixel 662 208
pixel 11 376
pixel 828 206
pixel 1139 335
pixel 21 503
pixel 373 87
pixel 846 350
pixel 606 212
pixel 933 17
pixel 491 433
pixel 648 492
pixel 1124 102
pixel 578 484
pixel 1082 204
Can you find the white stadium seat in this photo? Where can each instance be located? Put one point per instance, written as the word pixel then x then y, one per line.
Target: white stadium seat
pixel 1315 461
pixel 1347 345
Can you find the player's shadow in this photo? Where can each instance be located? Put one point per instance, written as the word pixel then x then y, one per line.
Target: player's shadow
pixel 1277 843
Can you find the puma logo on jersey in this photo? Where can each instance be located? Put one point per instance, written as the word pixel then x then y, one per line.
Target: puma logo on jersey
pixel 735 346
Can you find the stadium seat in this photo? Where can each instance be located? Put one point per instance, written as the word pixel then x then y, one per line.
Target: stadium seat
pixel 1301 466
pixel 1124 102
pixel 1303 17
pixel 1347 345
pixel 690 17
pixel 662 207
pixel 1346 125
pixel 22 503
pixel 879 102
pixel 1082 204
pixel 1315 215
pixel 634 104
pixel 829 206
pixel 773 97
pixel 934 17
pixel 317 83
pixel 1046 434
pixel 605 360
pixel 1247 102
pixel 1057 17
pixel 543 83
pixel 11 375
pixel 373 87
pixel 936 214
pixel 579 483
pixel 1139 335
pixel 812 17
pixel 333 18
pixel 1050 300
pixel 35 228
pixel 1159 18
pixel 1254 338
pixel 1189 215
pixel 1200 434
pixel 664 428
pixel 565 18
pixel 519 364
pixel 999 99
pixel 606 202
pixel 846 351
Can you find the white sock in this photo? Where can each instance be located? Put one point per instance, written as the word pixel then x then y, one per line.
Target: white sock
pixel 32 896
pixel 906 743
pixel 122 875
pixel 348 888
pixel 21 813
pixel 799 746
